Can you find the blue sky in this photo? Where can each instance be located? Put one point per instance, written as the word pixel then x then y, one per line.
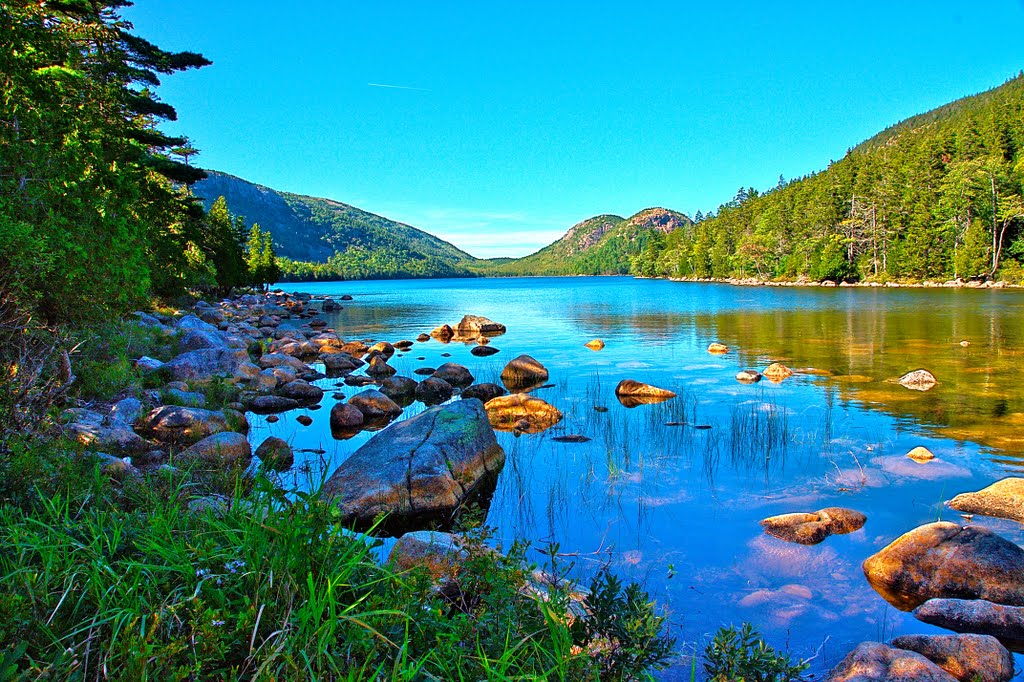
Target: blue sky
pixel 516 120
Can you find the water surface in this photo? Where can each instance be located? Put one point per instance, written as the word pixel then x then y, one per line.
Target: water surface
pixel 677 507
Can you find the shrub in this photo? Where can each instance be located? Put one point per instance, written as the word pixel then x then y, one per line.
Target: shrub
pixel 740 655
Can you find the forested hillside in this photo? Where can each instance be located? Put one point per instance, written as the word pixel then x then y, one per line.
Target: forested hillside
pixel 602 245
pixel 326 239
pixel 935 197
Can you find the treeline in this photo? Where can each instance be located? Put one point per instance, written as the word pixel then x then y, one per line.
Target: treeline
pixel 938 197
pixel 96 215
pixel 370 262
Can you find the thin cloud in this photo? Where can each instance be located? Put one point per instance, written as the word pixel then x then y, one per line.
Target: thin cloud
pixel 397 87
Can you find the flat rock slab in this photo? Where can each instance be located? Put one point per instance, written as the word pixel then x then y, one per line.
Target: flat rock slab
pixel 945 560
pixel 968 658
pixel 1003 499
pixel 976 616
pixel 876 662
pixel 419 471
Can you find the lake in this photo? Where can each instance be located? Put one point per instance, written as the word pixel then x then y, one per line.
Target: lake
pixel 677 507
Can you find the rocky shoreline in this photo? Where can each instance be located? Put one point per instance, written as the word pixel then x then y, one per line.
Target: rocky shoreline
pixel 262 355
pixel 806 282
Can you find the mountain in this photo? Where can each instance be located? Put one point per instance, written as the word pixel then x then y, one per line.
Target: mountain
pixel 935 197
pixel 602 245
pixel 326 239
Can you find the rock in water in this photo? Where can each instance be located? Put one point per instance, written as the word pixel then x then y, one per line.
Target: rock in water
pixel 345 417
pixel 433 391
pixel 1003 499
pixel 523 372
pixel 483 392
pixel 918 380
pixel 968 658
pixel 748 376
pixel 418 471
pixel 776 372
pixel 454 374
pixel 473 325
pixel 522 412
pixel 596 344
pixel 812 528
pixel 921 454
pixel 876 662
pixel 375 406
pixel 977 616
pixel 718 348
pixel 632 393
pixel 946 560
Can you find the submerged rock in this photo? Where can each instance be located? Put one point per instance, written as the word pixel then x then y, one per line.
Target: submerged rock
pixel 418 471
pixel 877 662
pixel 977 616
pixel 1003 499
pixel 522 412
pixel 918 380
pixel 812 528
pixel 523 372
pixel 945 560
pixel 968 658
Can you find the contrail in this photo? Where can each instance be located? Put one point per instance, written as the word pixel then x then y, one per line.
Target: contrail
pixel 396 87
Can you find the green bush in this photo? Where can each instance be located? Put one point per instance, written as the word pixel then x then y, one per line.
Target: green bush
pixel 740 655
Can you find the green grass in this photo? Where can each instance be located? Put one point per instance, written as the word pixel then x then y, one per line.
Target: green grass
pixel 104 360
pixel 99 579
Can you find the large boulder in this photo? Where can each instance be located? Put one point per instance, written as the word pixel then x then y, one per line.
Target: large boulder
pixel 977 616
pixel 418 471
pixel 1004 499
pixel 968 658
pixel 521 412
pixel 945 560
pixel 191 322
pixel 196 339
pixel 523 372
pixel 454 374
pixel 93 430
pixel 877 662
pixel 183 425
pixel 221 450
pixel 475 325
pixel 207 363
pixel 812 528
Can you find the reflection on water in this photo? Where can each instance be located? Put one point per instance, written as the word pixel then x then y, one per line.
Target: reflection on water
pixel 671 493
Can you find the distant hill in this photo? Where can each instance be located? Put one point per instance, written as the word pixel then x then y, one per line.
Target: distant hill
pixel 326 239
pixel 602 245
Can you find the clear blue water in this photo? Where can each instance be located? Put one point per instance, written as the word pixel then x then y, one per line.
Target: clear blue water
pixel 677 508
